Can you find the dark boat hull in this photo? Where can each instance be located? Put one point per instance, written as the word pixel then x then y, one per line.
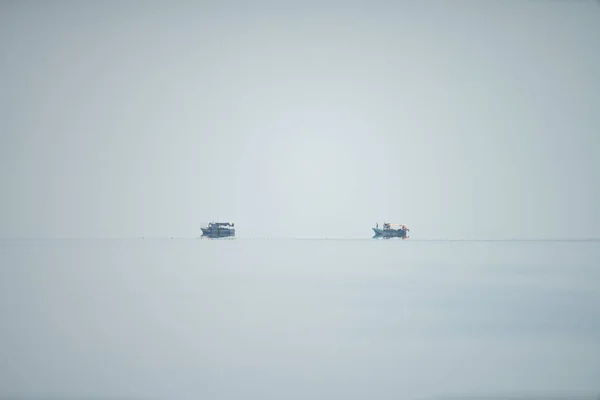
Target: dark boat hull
pixel 389 232
pixel 218 232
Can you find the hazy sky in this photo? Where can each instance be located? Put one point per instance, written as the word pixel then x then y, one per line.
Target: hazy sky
pixel 314 119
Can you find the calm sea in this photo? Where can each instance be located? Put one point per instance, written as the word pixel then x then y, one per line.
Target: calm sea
pixel 299 319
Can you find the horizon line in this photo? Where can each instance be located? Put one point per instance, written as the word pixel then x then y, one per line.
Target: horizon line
pixel 301 238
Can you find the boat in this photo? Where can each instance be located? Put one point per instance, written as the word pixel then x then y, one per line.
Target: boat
pixel 218 229
pixel 391 230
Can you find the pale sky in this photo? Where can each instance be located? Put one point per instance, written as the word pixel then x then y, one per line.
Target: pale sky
pixel 461 119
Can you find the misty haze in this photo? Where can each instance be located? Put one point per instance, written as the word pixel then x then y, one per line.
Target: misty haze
pixel 126 126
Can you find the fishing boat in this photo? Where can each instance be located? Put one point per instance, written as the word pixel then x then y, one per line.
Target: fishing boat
pixel 391 230
pixel 218 229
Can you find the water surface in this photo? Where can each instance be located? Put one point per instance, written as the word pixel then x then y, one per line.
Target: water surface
pixel 319 319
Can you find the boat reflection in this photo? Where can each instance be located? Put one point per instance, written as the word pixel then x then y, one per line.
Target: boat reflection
pixel 216 237
pixel 379 237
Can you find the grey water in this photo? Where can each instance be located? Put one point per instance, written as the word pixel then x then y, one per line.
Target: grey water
pixel 299 319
